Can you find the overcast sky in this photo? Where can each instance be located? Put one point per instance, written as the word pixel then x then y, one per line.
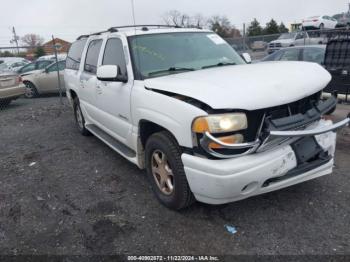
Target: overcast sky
pixel 69 18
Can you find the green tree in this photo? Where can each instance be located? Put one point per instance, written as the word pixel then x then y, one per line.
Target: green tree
pixel 271 28
pixel 39 51
pixel 254 28
pixel 221 25
pixel 282 28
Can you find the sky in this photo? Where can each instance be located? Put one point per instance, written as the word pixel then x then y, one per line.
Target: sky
pixel 68 19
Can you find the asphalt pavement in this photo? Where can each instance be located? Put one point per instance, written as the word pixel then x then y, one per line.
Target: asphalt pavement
pixel 65 194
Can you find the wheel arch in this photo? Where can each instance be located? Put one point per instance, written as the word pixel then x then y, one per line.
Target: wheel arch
pixel 147 128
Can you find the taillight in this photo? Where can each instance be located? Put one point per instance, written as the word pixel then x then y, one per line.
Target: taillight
pixel 315 20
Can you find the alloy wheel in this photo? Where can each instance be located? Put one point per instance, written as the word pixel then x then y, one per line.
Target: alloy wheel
pixel 162 173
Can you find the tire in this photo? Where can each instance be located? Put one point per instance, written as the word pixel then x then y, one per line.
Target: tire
pixel 4 103
pixel 164 145
pixel 79 118
pixel 331 111
pixel 31 90
pixel 322 26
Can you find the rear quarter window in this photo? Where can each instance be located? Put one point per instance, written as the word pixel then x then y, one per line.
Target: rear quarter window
pixel 74 54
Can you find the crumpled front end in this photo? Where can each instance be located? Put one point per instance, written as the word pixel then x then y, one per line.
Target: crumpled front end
pixel 227 180
pixel 286 145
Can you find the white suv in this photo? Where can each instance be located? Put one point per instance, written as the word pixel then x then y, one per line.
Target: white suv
pixel 182 104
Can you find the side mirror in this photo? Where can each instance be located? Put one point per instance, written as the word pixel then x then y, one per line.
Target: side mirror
pixel 247 58
pixel 46 70
pixel 110 73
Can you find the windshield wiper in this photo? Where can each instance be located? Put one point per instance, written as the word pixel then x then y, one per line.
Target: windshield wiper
pixel 219 64
pixel 171 69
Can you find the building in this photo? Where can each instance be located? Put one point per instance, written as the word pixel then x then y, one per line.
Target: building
pixel 62 46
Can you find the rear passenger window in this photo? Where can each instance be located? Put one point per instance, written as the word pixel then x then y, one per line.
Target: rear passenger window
pixel 92 56
pixel 74 54
pixel 114 54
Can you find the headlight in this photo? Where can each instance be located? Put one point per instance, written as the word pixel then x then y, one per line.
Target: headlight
pixel 222 123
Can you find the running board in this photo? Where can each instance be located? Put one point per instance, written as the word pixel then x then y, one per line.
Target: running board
pixel 111 142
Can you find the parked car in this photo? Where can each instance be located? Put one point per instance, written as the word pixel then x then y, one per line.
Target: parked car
pixel 60 57
pixel 320 22
pixel 12 60
pixel 45 80
pixel 12 66
pixel 311 53
pixel 294 39
pixel 258 46
pixel 203 123
pixel 338 64
pixel 34 67
pixel 11 87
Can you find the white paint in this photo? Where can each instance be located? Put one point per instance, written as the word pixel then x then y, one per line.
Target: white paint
pixel 247 87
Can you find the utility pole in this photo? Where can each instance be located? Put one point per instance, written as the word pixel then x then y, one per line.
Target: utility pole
pixel 58 70
pixel 244 37
pixel 15 39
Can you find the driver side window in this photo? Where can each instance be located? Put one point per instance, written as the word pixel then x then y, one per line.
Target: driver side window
pixel 114 55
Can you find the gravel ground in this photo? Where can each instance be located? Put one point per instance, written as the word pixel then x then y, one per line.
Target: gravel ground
pixel 65 194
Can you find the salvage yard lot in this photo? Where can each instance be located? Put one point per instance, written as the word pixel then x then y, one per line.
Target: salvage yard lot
pixel 62 193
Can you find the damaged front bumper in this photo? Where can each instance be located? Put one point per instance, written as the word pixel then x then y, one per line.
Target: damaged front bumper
pixel 295 149
pixel 227 180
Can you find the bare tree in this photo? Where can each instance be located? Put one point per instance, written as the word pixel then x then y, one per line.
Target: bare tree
pixel 176 18
pixel 32 40
pixel 199 21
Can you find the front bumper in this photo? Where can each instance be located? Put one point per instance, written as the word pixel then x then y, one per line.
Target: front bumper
pixel 228 180
pixel 12 92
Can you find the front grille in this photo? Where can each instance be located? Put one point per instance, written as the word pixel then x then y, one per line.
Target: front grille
pixel 274 45
pixel 259 123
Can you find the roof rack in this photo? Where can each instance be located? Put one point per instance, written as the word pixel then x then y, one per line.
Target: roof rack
pixel 115 29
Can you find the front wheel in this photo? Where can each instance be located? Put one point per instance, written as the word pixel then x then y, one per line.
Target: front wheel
pixel 166 172
pixel 31 91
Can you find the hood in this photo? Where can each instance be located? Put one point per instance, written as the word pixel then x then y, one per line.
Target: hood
pixel 247 87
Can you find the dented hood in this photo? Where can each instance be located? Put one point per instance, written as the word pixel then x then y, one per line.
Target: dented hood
pixel 248 87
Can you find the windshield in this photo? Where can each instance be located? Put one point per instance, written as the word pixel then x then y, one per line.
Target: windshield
pixel 163 54
pixel 287 36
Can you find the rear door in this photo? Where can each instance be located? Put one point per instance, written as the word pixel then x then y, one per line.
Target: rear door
pixel 113 98
pixel 87 88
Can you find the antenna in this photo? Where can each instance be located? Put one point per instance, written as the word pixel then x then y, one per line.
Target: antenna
pixel 133 12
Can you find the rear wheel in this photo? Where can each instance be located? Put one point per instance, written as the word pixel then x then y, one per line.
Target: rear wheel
pixel 321 26
pixel 166 172
pixel 31 91
pixel 79 118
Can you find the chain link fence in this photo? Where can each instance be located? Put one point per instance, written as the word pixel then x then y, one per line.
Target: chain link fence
pixel 23 75
pixel 258 46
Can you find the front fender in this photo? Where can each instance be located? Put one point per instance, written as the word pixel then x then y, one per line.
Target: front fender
pixel 170 113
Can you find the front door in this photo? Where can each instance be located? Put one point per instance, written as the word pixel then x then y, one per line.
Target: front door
pixel 113 98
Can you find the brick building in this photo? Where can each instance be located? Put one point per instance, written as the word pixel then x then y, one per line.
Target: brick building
pixel 62 46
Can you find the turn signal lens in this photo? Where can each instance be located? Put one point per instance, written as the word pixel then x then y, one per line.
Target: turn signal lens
pixel 220 123
pixel 235 139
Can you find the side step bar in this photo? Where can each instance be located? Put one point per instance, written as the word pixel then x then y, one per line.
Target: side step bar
pixel 111 142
